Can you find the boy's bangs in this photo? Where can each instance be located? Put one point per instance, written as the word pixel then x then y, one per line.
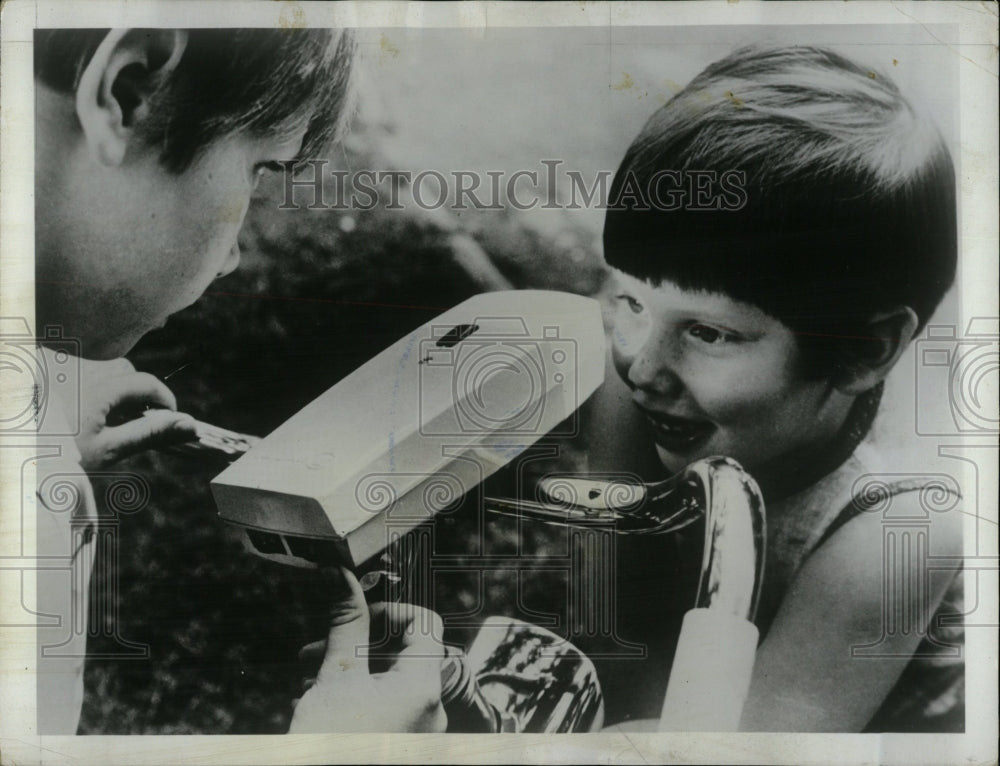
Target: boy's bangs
pixel 263 82
pixel 334 96
pixel 795 278
pixel 314 90
pixel 820 257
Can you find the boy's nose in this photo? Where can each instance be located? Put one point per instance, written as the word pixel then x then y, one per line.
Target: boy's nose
pixel 650 370
pixel 231 263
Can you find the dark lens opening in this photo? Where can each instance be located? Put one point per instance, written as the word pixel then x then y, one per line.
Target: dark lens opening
pixel 265 542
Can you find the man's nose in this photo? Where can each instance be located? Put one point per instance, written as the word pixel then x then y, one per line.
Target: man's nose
pixel 231 263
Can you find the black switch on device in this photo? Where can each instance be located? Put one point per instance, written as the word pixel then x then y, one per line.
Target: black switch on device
pixel 457 334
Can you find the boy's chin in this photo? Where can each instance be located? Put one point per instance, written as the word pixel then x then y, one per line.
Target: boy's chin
pixel 124 343
pixel 108 349
pixel 673 462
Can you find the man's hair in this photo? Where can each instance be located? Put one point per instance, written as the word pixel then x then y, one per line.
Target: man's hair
pixel 258 82
pixel 849 196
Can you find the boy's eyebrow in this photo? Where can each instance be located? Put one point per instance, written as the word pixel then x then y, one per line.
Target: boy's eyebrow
pixel 297 155
pixel 745 323
pixel 302 143
pixel 746 313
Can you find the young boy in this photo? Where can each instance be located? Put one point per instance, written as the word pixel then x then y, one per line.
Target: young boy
pixel 149 144
pixel 758 318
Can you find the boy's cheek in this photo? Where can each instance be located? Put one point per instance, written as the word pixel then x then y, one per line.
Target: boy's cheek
pixel 731 403
pixel 621 361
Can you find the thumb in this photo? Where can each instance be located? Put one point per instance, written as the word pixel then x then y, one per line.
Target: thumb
pixel 349 630
pixel 157 428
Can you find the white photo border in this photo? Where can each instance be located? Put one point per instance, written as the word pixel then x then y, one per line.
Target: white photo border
pixel 975 46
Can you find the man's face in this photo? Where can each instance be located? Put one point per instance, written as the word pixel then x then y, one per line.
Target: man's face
pixel 121 248
pixel 715 376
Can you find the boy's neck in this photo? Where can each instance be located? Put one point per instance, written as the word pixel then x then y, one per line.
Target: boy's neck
pixel 806 468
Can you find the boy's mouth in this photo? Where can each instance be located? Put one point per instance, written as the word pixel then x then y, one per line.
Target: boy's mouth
pixel 676 434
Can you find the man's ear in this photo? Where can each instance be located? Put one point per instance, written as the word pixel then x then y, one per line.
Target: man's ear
pixel 887 334
pixel 115 87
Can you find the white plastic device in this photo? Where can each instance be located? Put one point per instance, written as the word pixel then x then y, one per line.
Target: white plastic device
pixel 410 432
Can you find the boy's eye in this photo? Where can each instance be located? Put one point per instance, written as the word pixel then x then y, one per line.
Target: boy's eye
pixel 260 168
pixel 633 304
pixel 712 335
pixel 273 166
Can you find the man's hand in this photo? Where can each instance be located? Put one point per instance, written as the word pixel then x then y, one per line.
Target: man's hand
pixel 348 697
pixel 113 398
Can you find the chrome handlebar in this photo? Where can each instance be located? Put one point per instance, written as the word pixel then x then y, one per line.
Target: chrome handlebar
pixel 715 488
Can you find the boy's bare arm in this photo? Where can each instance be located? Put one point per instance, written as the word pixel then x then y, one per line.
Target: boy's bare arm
pixel 805 678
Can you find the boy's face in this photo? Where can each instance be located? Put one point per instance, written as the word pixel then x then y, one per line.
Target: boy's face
pixel 120 248
pixel 716 376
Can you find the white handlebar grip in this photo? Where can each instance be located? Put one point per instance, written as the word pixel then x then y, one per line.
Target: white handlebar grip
pixel 710 676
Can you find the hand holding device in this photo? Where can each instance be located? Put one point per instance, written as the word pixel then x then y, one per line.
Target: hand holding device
pixel 404 695
pixel 111 394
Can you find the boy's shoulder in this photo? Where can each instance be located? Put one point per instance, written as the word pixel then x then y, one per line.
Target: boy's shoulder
pixel 877 497
pixel 866 491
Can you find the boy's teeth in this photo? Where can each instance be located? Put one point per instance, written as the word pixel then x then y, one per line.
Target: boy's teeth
pixel 687 429
pixel 664 427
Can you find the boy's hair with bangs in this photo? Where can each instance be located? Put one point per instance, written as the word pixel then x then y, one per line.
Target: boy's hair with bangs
pixel 260 82
pixel 850 196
